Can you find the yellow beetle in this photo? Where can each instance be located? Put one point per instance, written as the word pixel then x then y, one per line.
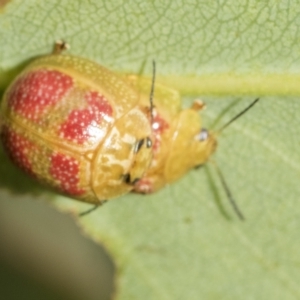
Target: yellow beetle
pixel 94 135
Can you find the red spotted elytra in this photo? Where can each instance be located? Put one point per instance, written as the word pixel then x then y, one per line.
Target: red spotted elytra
pixel 93 135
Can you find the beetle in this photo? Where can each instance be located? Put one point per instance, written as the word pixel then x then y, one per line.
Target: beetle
pixel 94 135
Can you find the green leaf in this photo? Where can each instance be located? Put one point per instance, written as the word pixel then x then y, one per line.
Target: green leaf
pixel 185 242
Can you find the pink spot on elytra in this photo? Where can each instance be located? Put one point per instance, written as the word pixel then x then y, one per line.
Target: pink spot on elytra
pixel 84 124
pixel 66 170
pixel 33 92
pixel 18 148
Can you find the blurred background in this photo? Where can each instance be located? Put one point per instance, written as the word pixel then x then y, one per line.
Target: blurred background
pixel 43 255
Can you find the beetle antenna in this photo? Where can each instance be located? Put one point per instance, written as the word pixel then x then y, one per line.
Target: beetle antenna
pixel 152 92
pixel 220 174
pixel 228 192
pixel 238 115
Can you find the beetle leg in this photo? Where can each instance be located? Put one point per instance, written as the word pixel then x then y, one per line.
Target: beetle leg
pixel 138 145
pixel 148 142
pixel 198 105
pixel 127 179
pixel 88 211
pixel 60 46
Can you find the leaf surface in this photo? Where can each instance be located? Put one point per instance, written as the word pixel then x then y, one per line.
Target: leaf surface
pixel 185 242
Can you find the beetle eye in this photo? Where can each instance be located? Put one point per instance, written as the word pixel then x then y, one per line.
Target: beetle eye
pixel 203 135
